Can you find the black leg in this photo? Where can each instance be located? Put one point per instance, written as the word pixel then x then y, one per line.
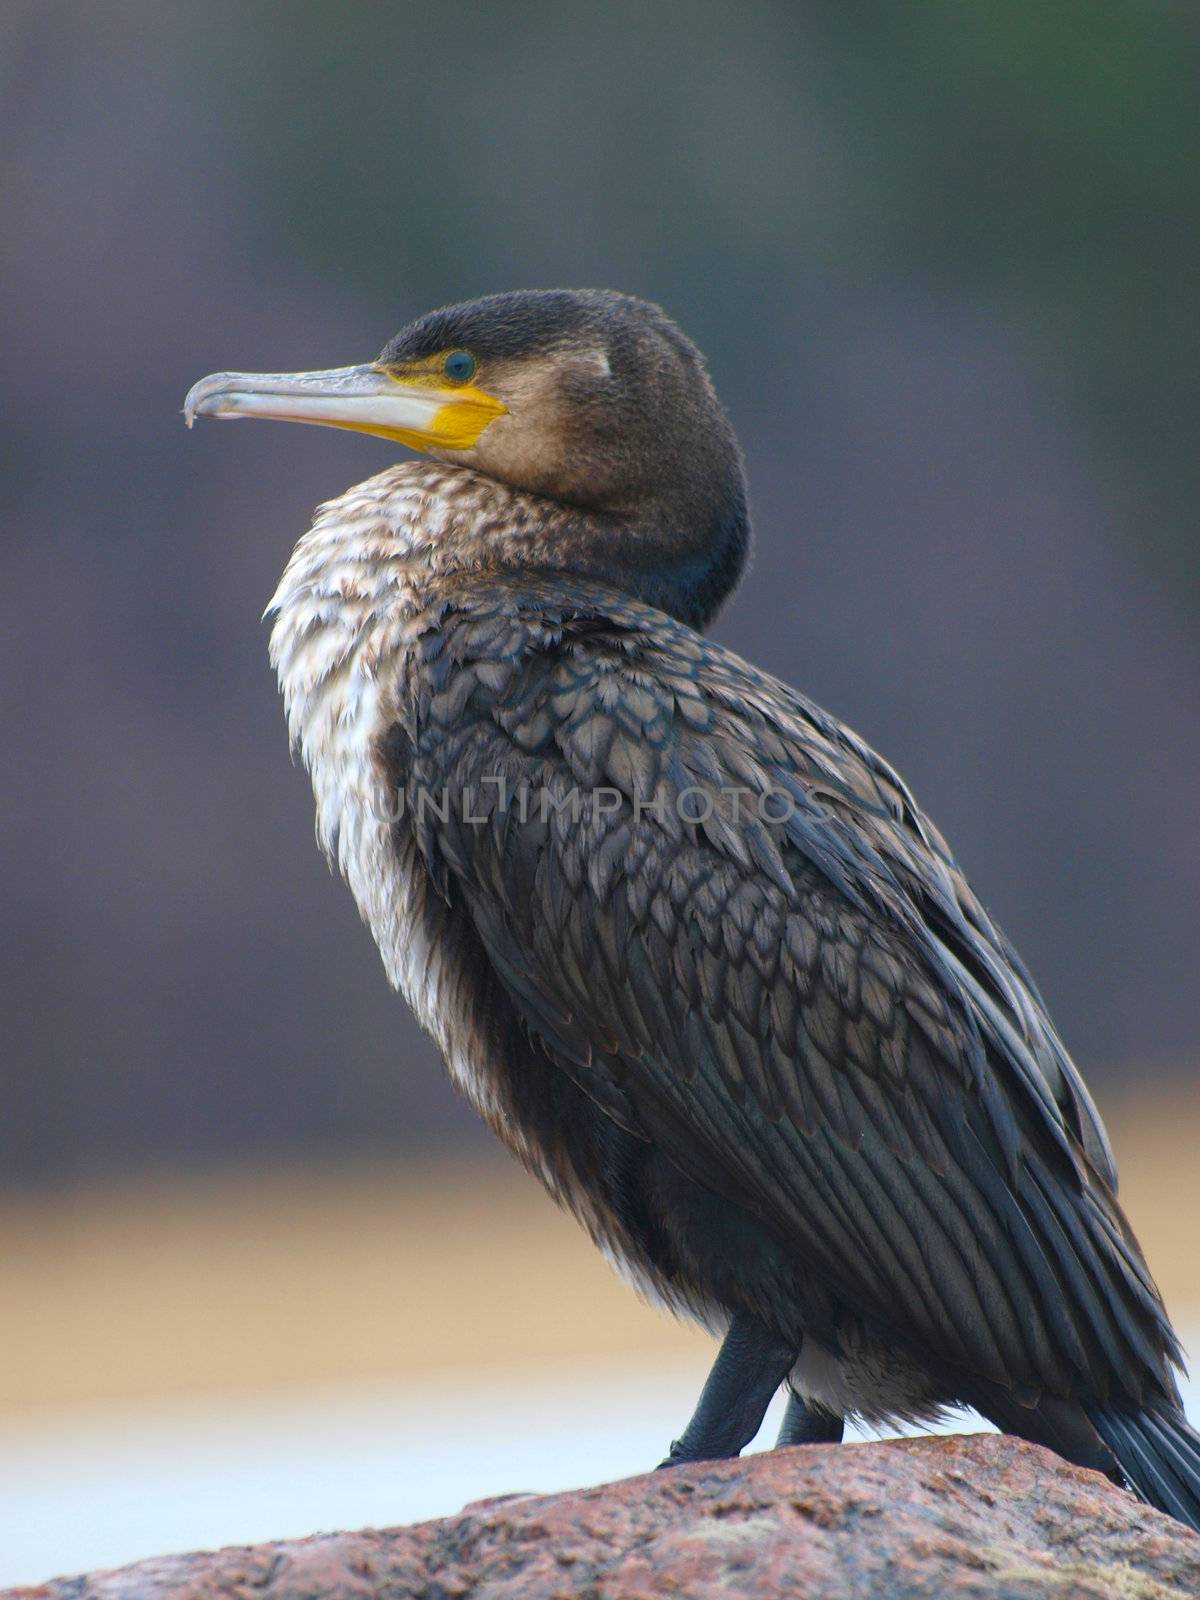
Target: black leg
pixel 805 1422
pixel 750 1366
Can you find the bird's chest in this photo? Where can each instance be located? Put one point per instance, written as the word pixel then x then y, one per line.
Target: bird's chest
pixel 364 829
pixel 342 645
pixel 336 725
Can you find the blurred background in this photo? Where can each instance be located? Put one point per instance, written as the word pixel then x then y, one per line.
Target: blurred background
pixel 260 1272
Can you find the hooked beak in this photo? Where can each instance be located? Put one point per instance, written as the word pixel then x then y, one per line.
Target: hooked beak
pixel 420 414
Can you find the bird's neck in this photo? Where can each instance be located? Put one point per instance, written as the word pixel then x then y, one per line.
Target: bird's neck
pixel 380 549
pixel 363 581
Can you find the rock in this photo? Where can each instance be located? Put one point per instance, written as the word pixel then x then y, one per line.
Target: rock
pixel 951 1518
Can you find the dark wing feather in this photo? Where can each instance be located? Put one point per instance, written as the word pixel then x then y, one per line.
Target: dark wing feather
pixel 747 944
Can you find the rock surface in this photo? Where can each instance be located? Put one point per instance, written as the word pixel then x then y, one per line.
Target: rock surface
pixel 933 1517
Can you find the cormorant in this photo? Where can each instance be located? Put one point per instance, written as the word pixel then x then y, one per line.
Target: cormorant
pixel 687 944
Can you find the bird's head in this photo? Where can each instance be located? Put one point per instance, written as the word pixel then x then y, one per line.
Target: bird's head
pixel 590 399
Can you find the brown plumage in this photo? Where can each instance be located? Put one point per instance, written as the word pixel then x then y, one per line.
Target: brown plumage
pixel 685 941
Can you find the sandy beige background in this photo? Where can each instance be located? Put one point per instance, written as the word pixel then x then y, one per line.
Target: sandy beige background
pixel 259 1281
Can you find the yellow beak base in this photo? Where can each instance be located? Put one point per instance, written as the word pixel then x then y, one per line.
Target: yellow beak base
pixel 369 399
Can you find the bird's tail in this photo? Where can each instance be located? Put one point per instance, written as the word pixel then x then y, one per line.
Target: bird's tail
pixel 1159 1453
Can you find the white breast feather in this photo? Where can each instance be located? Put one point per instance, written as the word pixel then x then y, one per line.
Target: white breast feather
pixel 339 646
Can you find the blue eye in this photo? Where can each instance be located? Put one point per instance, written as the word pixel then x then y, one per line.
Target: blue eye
pixel 459 366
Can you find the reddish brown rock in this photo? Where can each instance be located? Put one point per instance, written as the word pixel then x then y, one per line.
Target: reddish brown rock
pixel 951 1518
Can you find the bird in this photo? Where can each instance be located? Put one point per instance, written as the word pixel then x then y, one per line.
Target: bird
pixel 686 943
